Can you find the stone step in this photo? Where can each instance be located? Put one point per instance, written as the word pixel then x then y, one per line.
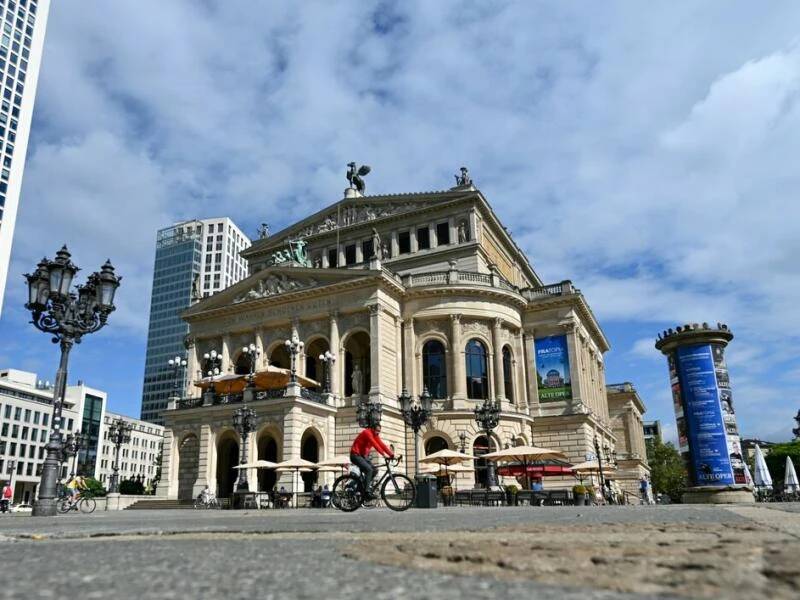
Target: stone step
pixel 160 505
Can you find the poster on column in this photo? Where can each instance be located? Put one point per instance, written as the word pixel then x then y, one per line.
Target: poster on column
pixel 728 414
pixel 552 368
pixel 708 441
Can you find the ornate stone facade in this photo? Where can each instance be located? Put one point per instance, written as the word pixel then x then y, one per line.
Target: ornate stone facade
pixel 433 312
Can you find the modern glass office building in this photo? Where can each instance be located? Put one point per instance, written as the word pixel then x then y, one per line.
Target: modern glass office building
pixel 23 25
pixel 194 259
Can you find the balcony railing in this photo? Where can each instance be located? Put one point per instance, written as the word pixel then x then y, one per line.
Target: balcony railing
pixel 218 399
pixel 454 277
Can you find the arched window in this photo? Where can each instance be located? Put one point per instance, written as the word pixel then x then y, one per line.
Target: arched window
pixel 508 386
pixel 435 444
pixel 434 369
pixel 477 375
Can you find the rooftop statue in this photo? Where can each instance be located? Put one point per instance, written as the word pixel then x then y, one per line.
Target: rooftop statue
pixel 464 178
pixel 356 178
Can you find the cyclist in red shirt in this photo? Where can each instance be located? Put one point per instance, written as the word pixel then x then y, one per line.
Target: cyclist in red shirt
pixel 365 441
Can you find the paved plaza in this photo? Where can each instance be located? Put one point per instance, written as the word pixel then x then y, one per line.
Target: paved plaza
pixel 460 552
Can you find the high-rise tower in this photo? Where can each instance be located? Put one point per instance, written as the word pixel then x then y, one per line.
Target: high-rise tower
pixel 21 42
pixel 194 259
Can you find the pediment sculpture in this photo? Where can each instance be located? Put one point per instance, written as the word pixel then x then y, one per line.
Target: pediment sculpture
pixel 359 212
pixel 273 284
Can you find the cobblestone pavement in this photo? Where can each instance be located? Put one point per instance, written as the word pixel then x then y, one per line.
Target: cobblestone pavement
pixel 531 553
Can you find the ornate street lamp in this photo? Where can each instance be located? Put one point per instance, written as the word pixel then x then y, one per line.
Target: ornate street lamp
pixel 178 366
pixel 72 447
pixel 369 413
pixel 252 352
pixel 244 421
pixel 295 347
pixel 600 465
pixel 415 414
pixel 119 433
pixel 462 436
pixel 327 361
pixel 212 364
pixel 68 316
pixel 487 416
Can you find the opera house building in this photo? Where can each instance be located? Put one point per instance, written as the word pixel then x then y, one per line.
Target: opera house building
pixel 342 311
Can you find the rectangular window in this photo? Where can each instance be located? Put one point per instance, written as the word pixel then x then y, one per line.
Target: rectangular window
pixel 423 238
pixel 17 413
pixel 27 418
pixel 12 449
pixel 29 469
pixel 5 429
pixel 25 432
pixel 366 250
pixel 404 242
pixel 350 254
pixel 45 419
pixel 36 416
pixel 15 431
pixel 442 234
pixel 333 256
pixel 8 411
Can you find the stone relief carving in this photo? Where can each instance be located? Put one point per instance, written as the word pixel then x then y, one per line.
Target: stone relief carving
pixel 355 320
pixel 314 327
pixel 359 213
pixel 273 284
pixel 425 327
pixel 475 327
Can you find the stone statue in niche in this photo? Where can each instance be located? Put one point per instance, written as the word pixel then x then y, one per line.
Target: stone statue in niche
pixel 357 381
pixel 463 232
pixel 377 249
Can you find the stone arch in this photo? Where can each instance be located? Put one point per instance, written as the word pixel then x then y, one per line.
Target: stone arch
pixel 227 458
pixel 356 346
pixel 268 448
pixel 278 355
pixel 188 465
pixel 241 363
pixel 310 449
pixel 315 369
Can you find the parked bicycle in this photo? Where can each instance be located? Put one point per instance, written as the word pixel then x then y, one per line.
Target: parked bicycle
pixel 397 491
pixel 84 502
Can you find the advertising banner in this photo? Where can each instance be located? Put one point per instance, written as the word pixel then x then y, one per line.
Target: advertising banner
pixel 728 413
pixel 702 412
pixel 552 368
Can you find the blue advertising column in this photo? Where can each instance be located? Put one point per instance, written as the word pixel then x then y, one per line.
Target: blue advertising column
pixel 708 438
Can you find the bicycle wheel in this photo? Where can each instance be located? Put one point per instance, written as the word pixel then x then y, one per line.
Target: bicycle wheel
pixel 87 505
pixel 63 506
pixel 346 493
pixel 398 492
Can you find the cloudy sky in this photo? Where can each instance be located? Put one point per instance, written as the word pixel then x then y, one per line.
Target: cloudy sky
pixel 646 151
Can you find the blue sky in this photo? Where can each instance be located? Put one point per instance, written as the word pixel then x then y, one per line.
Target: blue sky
pixel 646 151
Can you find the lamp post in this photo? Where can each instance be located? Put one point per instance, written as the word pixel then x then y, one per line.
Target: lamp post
pixel 600 465
pixel 415 414
pixel 327 360
pixel 212 364
pixel 462 436
pixel 68 316
pixel 488 416
pixel 178 366
pixel 252 352
pixel 72 447
pixel 295 347
pixel 119 433
pixel 369 413
pixel 244 421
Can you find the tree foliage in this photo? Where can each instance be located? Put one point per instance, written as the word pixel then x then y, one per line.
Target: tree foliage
pixel 776 461
pixel 95 487
pixel 667 473
pixel 131 487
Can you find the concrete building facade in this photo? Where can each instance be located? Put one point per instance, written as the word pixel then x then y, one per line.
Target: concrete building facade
pixel 416 291
pixel 138 459
pixel 23 25
pixel 194 259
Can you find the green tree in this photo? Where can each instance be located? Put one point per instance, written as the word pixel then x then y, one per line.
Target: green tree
pixel 131 487
pixel 776 461
pixel 95 487
pixel 667 472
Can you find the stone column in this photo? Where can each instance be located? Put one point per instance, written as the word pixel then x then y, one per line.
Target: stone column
pixel 529 369
pixel 205 461
pixel 521 373
pixel 570 329
pixel 259 335
pixel 168 486
pixel 459 369
pixel 336 351
pixel 399 345
pixel 192 366
pixel 375 351
pixel 497 350
pixel 409 343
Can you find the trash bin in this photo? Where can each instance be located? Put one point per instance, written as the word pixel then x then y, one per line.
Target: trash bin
pixel 427 492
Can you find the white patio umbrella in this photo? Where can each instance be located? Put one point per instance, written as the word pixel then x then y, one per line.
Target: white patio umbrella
pixel 748 477
pixel 446 458
pixel 762 478
pixel 258 464
pixel 340 461
pixel 790 482
pixel 295 464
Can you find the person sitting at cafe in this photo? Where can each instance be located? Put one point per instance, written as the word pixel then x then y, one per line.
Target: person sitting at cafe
pixel 316 497
pixel 537 485
pixel 283 497
pixel 325 497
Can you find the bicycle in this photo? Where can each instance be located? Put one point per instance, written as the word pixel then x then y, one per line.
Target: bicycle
pixel 397 491
pixel 210 502
pixel 85 503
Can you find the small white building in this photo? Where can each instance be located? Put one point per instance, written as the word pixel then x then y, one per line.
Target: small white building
pixel 138 458
pixel 26 415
